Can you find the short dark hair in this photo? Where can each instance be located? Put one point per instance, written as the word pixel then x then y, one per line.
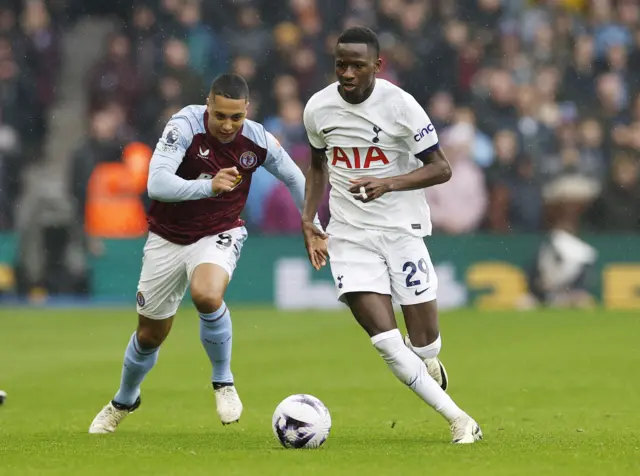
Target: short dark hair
pixel 361 34
pixel 229 85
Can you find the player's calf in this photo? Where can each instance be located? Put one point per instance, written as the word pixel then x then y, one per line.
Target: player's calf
pixel 140 357
pixel 216 337
pixel 410 370
pixel 208 284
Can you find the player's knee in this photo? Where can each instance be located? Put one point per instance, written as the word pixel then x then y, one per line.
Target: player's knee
pixel 206 301
pixel 428 351
pixel 152 336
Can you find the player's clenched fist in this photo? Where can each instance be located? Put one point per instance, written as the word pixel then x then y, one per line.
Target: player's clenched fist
pixel 225 180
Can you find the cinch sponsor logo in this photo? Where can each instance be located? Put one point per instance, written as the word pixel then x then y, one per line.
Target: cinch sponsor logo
pixel 423 132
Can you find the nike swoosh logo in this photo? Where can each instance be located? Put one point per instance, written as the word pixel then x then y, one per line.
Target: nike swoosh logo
pixel 326 131
pixel 418 293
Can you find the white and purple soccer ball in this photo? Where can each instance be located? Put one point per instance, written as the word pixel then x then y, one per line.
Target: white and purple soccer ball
pixel 301 421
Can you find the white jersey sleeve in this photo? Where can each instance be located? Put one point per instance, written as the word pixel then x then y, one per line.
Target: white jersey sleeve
pixel 163 184
pixel 421 135
pixel 313 134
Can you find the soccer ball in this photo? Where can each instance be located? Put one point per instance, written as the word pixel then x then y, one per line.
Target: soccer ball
pixel 301 421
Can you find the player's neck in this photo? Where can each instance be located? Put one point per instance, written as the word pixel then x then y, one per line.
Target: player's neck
pixel 359 100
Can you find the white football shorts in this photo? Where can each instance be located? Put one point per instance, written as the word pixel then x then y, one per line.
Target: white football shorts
pixel 167 268
pixel 396 264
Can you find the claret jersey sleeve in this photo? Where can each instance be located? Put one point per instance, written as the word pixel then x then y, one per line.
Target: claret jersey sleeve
pixel 163 184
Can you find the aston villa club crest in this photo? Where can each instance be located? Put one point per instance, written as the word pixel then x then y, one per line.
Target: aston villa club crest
pixel 248 159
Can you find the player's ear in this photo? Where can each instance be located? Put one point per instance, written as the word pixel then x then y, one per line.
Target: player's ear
pixel 377 66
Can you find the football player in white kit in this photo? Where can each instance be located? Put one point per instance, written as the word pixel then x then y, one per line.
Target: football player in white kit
pixel 379 150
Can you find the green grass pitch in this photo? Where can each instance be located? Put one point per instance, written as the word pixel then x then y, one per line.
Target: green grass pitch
pixel 555 393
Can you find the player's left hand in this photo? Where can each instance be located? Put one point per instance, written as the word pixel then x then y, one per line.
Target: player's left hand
pixel 369 188
pixel 316 243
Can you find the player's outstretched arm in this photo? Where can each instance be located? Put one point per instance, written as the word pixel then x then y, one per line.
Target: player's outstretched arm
pixel 317 179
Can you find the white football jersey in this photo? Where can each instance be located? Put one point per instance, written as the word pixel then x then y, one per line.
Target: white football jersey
pixel 377 138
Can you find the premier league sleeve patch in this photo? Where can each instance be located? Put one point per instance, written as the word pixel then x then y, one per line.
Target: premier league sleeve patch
pixel 170 138
pixel 172 135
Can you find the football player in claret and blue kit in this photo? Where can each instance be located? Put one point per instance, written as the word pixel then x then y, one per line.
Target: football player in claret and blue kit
pixel 199 179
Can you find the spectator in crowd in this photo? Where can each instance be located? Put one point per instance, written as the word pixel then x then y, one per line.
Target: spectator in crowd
pixel 515 203
pixel 617 209
pixel 11 167
pixel 459 205
pixel 102 145
pixel 114 77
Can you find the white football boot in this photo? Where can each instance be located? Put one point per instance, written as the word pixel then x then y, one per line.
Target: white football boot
pixel 110 417
pixel 434 367
pixel 464 430
pixel 228 403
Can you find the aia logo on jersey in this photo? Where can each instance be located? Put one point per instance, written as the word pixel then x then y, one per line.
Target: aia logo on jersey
pixel 351 158
pixel 248 159
pixel 423 132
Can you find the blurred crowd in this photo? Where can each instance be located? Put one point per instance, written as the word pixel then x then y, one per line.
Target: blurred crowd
pixel 536 102
pixel 30 60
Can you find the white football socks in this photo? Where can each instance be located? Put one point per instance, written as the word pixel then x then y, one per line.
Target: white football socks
pixel 412 371
pixel 430 351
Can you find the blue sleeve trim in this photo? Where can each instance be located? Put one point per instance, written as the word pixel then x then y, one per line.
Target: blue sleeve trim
pixel 433 148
